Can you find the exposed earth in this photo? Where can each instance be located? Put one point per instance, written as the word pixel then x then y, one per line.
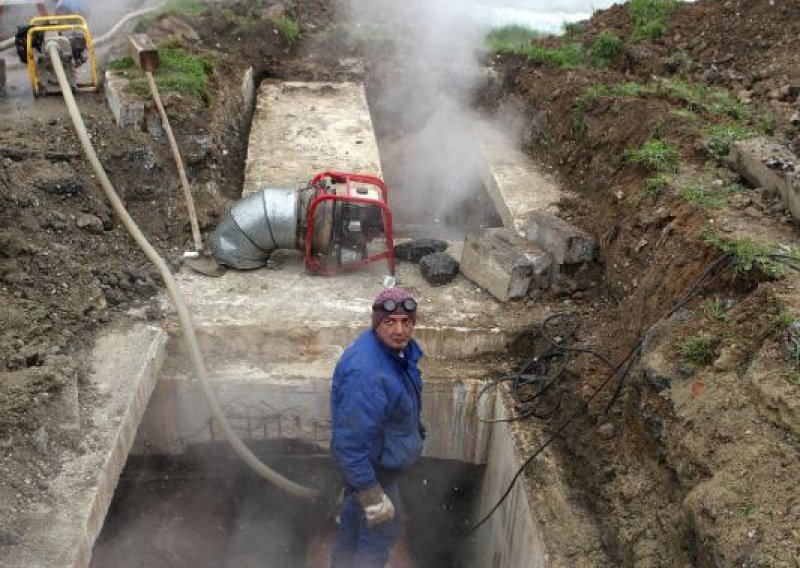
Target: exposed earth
pixel 696 461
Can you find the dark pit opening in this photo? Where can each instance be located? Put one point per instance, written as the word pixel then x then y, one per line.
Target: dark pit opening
pixel 206 509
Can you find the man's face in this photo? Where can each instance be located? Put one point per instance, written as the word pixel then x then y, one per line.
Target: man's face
pixel 395 330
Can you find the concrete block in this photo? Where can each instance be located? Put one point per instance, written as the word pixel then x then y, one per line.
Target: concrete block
pixel 567 243
pixel 768 165
pixel 504 264
pixel 127 109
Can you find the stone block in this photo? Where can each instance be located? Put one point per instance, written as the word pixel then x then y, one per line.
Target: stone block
pixel 504 264
pixel 770 166
pixel 127 109
pixel 567 243
pixel 2 75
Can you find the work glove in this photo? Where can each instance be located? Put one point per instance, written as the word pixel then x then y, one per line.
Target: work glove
pixel 377 506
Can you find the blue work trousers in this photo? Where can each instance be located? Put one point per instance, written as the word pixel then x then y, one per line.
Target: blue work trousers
pixel 359 546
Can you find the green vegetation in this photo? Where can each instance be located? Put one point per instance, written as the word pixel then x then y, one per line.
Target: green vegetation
pixel 511 39
pixel 120 64
pixel 697 96
pixel 747 510
pixel 605 48
pixel 698 349
pixel 794 378
pixel 179 72
pixel 704 197
pixel 569 55
pixel 289 29
pixel 688 115
pixel 656 155
pixel 748 255
pixel 573 29
pixel 722 137
pixel 656 185
pixel 714 309
pixel 649 17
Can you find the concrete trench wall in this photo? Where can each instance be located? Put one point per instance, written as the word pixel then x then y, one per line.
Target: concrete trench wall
pixel 289 400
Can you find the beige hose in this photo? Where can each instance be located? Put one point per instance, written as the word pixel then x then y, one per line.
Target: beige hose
pixel 176 154
pixel 185 319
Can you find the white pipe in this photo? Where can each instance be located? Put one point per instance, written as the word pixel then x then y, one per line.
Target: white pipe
pixel 184 317
pixel 176 154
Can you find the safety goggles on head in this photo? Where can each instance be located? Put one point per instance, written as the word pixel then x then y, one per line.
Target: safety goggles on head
pixel 408 305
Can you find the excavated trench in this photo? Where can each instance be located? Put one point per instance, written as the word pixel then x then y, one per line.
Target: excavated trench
pixel 183 499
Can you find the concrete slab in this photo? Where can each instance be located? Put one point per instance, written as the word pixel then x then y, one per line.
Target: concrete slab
pixel 61 531
pixel 456 320
pixel 514 182
pixel 301 129
pixel 505 264
pixel 768 165
pixel 127 109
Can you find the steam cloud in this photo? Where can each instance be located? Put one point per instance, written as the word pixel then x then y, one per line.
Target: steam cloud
pixel 421 95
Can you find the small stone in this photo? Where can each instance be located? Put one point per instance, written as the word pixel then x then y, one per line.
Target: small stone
pixel 90 223
pixel 62 186
pixel 606 431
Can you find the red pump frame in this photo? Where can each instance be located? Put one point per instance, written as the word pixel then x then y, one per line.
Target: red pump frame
pixel 316 266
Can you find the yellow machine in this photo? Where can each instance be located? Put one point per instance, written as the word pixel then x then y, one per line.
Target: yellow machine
pixel 76 48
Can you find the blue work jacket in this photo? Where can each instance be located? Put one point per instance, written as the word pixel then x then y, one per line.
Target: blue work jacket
pixel 375 409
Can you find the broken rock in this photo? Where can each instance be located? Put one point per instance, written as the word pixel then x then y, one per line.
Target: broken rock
pixel 564 241
pixel 413 251
pixel 438 268
pixel 90 223
pixel 504 264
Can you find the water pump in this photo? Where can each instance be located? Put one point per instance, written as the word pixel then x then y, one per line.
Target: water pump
pixel 335 220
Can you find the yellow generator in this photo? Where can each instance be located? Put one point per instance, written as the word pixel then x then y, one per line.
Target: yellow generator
pixel 75 47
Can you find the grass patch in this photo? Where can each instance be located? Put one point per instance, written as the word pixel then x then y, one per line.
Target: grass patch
pixel 605 48
pixel 120 64
pixel 794 378
pixel 722 137
pixel 573 29
pixel 656 185
pixel 569 55
pixel 686 114
pixel 179 72
pixel 748 255
pixel 511 39
pixel 656 155
pixel 703 197
pixel 698 96
pixel 649 17
pixel 714 309
pixel 698 349
pixel 288 29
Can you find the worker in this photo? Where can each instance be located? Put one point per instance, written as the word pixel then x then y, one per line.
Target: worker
pixel 72 7
pixel 377 432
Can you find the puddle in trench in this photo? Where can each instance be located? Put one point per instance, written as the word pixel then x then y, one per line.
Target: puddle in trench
pixel 205 509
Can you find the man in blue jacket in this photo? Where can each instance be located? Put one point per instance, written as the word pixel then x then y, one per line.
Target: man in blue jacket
pixel 375 407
